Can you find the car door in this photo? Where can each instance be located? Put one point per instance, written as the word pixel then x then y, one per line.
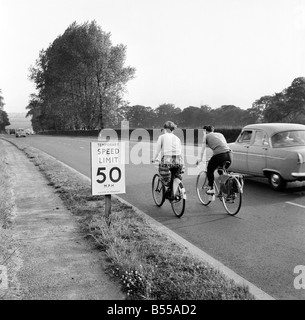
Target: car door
pixel 257 153
pixel 240 152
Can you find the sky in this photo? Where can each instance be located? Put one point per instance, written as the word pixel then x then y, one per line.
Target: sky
pixel 186 52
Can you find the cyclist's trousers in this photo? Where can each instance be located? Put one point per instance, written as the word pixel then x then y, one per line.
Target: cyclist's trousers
pixel 215 162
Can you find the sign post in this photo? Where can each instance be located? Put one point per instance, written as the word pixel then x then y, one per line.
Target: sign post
pixel 108 170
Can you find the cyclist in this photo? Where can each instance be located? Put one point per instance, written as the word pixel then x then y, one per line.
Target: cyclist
pixel 221 153
pixel 169 145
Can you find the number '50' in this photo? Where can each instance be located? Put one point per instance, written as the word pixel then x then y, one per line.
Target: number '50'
pixel 103 175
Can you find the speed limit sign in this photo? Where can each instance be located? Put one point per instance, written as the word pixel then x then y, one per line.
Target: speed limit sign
pixel 108 168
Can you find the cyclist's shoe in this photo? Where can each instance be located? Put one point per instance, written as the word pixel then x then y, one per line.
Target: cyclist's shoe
pixel 211 191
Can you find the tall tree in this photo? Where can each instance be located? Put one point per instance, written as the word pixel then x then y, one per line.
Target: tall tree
pixel 80 78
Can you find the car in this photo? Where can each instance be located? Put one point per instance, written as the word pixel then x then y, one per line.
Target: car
pixel 20 132
pixel 29 131
pixel 272 150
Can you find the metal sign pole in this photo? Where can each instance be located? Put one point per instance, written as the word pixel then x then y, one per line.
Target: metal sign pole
pixel 107 206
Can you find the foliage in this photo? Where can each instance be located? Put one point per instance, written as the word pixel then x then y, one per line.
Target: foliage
pixel 80 80
pixel 285 106
pixel 1 101
pixel 4 121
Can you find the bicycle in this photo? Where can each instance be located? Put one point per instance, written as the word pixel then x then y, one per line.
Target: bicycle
pixel 174 192
pixel 229 191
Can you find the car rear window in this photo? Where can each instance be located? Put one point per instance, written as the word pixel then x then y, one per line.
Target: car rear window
pixel 288 139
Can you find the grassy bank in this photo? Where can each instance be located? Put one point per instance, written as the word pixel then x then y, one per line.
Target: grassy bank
pixel 148 264
pixel 8 250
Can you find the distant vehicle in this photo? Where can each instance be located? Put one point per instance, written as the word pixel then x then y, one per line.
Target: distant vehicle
pixel 272 150
pixel 20 133
pixel 29 131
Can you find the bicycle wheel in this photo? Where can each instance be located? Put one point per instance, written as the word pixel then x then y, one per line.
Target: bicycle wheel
pixel 201 188
pixel 232 200
pixel 178 203
pixel 158 190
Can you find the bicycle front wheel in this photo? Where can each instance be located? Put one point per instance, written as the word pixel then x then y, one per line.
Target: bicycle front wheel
pixel 232 200
pixel 178 203
pixel 202 185
pixel 158 190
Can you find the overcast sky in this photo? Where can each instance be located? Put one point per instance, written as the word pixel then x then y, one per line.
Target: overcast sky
pixel 186 52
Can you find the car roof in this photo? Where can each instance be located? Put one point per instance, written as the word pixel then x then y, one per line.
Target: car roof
pixel 272 128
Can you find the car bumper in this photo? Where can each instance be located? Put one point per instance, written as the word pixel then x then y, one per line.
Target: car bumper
pixel 300 176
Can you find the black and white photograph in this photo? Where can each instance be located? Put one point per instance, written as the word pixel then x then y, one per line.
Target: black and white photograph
pixel 152 153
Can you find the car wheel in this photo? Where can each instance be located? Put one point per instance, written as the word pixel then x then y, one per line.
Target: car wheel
pixel 277 182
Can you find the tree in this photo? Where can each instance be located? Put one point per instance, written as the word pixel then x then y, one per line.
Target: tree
pixel 276 110
pixel 80 79
pixel 139 116
pixel 1 101
pixel 256 112
pixel 285 106
pixel 229 116
pixel 191 117
pixel 295 99
pixel 166 111
pixel 35 110
pixel 4 121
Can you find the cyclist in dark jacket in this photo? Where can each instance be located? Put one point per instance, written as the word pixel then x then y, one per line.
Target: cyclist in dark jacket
pixel 221 153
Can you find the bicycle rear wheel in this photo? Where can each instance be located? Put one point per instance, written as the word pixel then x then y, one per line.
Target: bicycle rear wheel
pixel 158 190
pixel 202 185
pixel 178 203
pixel 232 200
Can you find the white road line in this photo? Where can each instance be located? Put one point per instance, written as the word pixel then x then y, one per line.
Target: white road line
pixel 295 204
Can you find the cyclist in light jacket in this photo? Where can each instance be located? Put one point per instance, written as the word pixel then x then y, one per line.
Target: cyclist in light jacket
pixel 221 153
pixel 169 145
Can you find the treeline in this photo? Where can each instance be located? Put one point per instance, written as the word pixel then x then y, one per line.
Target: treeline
pixel 4 121
pixel 286 106
pixel 80 79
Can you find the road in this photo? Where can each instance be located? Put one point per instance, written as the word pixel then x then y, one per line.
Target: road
pixel 263 243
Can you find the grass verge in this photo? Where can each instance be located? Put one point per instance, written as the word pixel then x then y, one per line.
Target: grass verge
pixel 148 264
pixel 8 251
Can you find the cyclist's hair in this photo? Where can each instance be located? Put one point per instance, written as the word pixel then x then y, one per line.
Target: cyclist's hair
pixel 170 125
pixel 209 128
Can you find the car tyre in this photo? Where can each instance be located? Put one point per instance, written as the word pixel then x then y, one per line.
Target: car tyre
pixel 277 182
